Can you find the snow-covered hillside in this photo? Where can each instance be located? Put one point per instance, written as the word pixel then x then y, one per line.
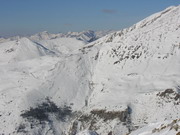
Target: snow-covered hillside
pixel 22 49
pixel 127 82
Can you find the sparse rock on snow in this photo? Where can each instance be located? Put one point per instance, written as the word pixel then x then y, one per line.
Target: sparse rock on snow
pixel 127 82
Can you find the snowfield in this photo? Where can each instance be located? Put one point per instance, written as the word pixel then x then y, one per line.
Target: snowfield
pixel 127 82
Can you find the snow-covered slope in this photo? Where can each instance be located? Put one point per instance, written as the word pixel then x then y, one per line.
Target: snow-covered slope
pixel 124 83
pixel 139 59
pixel 62 45
pixel 161 128
pixel 2 39
pixel 137 70
pixel 22 49
pixel 86 132
pixel 29 81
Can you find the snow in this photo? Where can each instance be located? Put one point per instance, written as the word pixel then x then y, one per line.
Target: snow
pixel 62 45
pixel 165 128
pixel 133 73
pixel 146 73
pixel 86 132
pixel 20 50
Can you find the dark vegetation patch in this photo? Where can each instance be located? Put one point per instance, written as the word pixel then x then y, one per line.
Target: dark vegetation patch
pixel 44 110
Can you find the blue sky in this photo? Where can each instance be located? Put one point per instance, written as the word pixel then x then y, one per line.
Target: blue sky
pixel 24 17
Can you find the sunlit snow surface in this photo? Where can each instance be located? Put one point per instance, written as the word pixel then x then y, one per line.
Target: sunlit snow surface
pixel 135 71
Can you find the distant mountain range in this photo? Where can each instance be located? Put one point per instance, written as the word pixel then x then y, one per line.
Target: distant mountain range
pixel 86 36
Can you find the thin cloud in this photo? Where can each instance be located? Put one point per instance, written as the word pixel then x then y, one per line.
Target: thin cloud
pixel 109 11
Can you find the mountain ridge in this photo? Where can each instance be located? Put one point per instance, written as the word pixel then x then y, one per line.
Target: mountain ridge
pixel 86 36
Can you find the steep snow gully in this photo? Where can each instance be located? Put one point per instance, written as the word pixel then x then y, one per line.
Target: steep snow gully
pixel 127 82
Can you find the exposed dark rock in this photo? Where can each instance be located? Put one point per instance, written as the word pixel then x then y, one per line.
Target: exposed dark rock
pixel 21 128
pixel 110 133
pixel 97 55
pixel 166 92
pixel 170 94
pixel 110 115
pixel 9 50
pixel 91 121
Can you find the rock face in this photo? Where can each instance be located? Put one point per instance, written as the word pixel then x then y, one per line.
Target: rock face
pixel 124 83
